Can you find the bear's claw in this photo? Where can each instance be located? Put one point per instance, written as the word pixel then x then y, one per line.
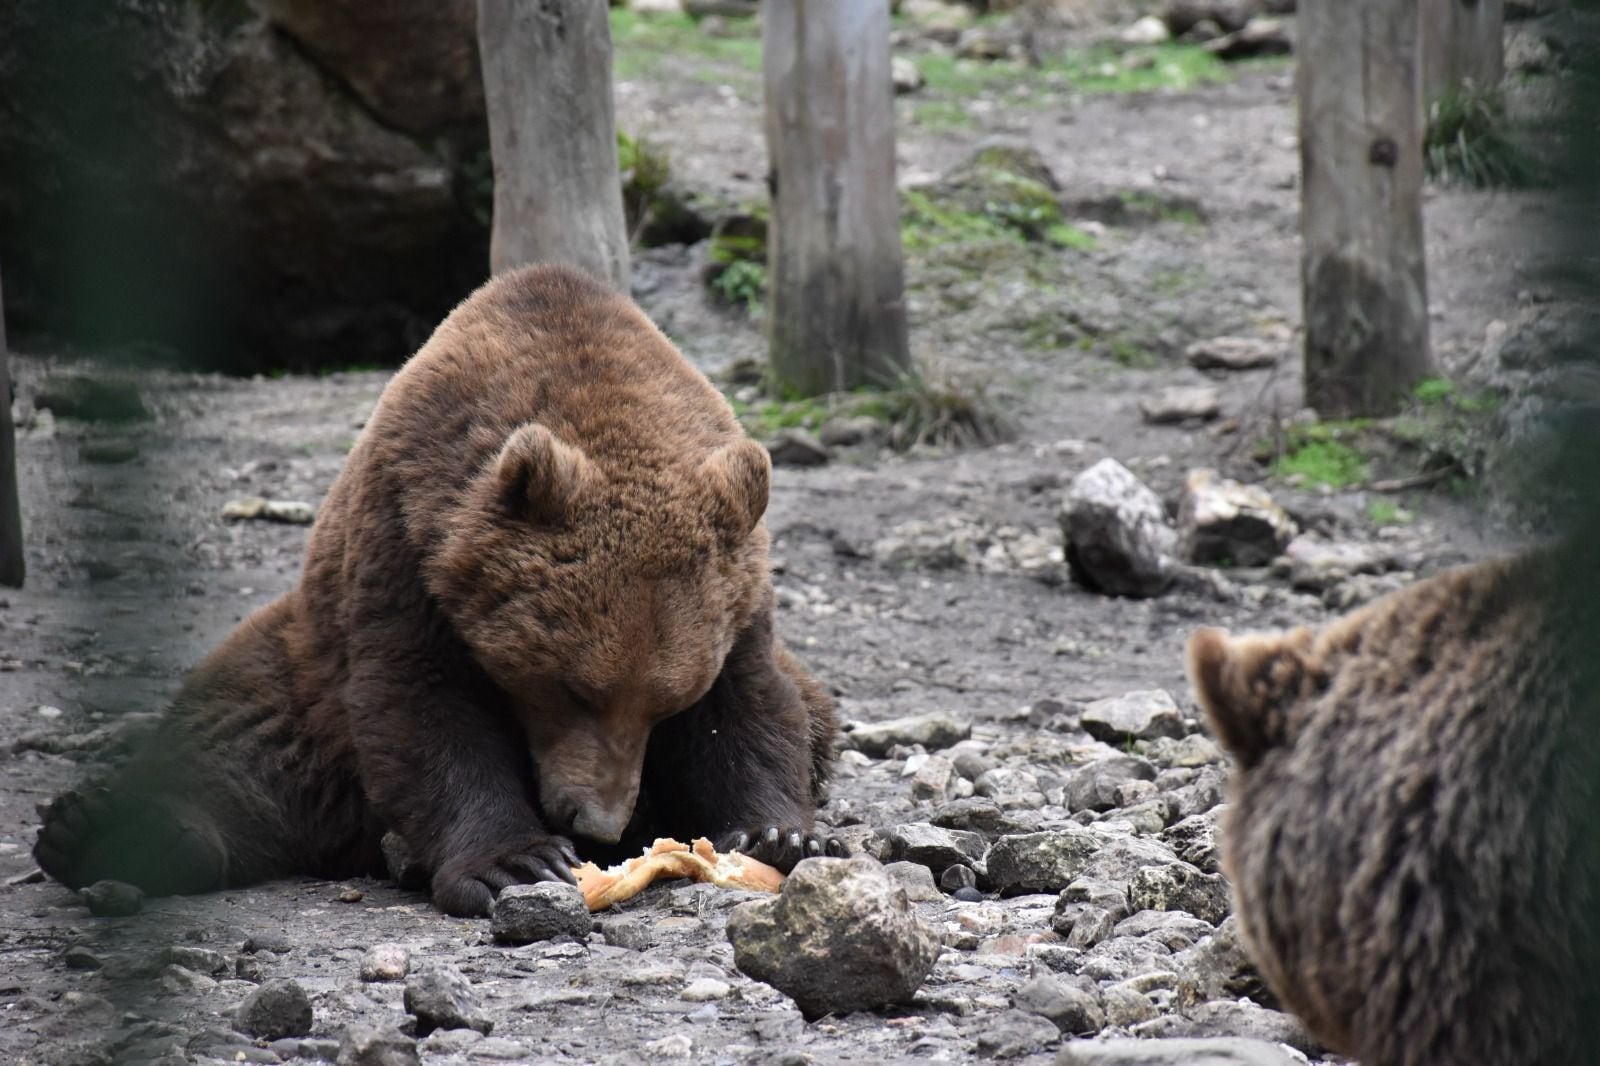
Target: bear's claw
pixel 781 846
pixel 466 887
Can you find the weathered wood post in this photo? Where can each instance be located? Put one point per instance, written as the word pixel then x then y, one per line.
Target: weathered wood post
pixel 1462 41
pixel 836 281
pixel 12 568
pixel 1363 275
pixel 552 136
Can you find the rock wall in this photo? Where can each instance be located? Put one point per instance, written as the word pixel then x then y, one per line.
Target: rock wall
pixel 188 178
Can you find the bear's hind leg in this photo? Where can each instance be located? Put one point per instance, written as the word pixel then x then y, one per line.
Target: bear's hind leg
pixel 150 841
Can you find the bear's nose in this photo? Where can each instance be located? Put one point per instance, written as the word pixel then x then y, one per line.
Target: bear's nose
pixel 601 825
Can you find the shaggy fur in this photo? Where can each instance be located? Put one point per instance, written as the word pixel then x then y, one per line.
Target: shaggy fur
pixel 1408 834
pixel 540 581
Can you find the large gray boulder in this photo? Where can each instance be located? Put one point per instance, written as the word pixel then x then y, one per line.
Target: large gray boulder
pixel 839 937
pixel 1118 538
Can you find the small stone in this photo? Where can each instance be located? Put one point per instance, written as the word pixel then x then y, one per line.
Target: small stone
pixel 376 1045
pixel 933 847
pixel 931 779
pixel 1178 931
pixel 907 77
pixel 967 894
pixel 974 814
pixel 442 998
pixel 113 899
pixel 496 1049
pixel 706 989
pixel 276 943
pixel 351 895
pixel 797 447
pixel 916 879
pixel 1223 521
pixel 200 960
pixel 839 937
pixel 78 957
pixel 1221 1051
pixel 1180 887
pixel 385 962
pixel 1219 968
pixel 1233 353
pixel 1040 862
pixel 1136 716
pixel 1072 1004
pixel 627 933
pixel 1181 403
pixel 1195 840
pixel 848 431
pixel 1146 31
pixel 1094 785
pixel 292 512
pixel 1317 565
pixel 676 1046
pixel 932 731
pixel 450 1041
pixel 543 911
pixel 249 968
pixel 1118 539
pixel 180 979
pixel 275 1009
pixel 956 877
pixel 1016 1033
pixel 1233 1018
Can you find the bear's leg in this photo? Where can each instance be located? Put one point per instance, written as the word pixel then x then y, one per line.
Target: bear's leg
pixel 447 767
pixel 742 765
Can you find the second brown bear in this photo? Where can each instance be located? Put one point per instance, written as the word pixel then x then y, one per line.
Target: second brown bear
pixel 536 603
pixel 1411 829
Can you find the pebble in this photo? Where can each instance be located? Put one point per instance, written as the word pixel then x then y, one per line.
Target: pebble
pixel 275 1009
pixel 442 998
pixel 1136 716
pixel 916 879
pixel 385 962
pixel 1016 1033
pixel 292 512
pixel 956 877
pixel 1181 403
pixel 113 899
pixel 797 447
pixel 524 914
pixel 705 989
pixel 1234 353
pixel 78 957
pixel 1071 1004
pixel 376 1045
pixel 1040 862
pixel 276 943
pixel 933 731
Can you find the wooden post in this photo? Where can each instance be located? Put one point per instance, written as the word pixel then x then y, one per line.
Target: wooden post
pixel 835 278
pixel 547 89
pixel 1362 268
pixel 1462 41
pixel 12 568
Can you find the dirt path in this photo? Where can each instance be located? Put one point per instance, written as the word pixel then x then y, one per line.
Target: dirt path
pixel 134 576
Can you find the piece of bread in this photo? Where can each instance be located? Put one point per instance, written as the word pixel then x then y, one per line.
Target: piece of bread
pixel 667 859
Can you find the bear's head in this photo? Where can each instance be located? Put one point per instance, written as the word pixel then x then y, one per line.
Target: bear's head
pixel 1248 685
pixel 602 595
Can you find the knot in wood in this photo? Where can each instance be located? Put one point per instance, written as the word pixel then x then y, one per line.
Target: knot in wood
pixel 1384 152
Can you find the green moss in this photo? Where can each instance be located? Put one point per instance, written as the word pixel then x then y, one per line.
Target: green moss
pixel 1173 66
pixel 1323 462
pixel 1433 390
pixel 942 115
pixel 1066 235
pixel 769 416
pixel 927 222
pixel 1125 352
pixel 1383 512
pixel 1141 203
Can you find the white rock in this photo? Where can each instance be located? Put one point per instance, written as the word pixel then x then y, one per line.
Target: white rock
pixel 1118 538
pixel 1148 30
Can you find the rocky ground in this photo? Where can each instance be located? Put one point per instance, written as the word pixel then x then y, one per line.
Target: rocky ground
pixel 1025 751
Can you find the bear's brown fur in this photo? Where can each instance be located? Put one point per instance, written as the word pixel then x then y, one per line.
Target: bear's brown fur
pixel 1408 830
pixel 535 603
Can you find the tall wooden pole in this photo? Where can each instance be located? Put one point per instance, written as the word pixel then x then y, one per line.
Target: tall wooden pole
pixel 12 568
pixel 552 136
pixel 1363 274
pixel 836 280
pixel 1462 41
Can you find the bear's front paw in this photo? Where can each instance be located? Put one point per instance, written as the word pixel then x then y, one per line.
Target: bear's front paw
pixel 782 846
pixel 466 885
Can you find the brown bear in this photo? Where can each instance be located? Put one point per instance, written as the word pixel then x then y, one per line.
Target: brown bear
pixel 535 603
pixel 1409 831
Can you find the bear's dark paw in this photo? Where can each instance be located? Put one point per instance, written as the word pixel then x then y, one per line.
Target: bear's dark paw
pixel 781 846
pixel 466 886
pixel 99 835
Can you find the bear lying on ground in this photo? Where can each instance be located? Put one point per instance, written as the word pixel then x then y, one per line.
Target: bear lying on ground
pixel 1409 833
pixel 535 603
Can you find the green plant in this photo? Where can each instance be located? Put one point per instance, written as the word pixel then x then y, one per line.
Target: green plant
pixel 941 410
pixel 1383 512
pixel 1466 141
pixel 1323 462
pixel 742 282
pixel 1433 390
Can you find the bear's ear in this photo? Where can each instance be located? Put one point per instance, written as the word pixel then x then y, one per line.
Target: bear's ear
pixel 538 477
pixel 1245 685
pixel 739 476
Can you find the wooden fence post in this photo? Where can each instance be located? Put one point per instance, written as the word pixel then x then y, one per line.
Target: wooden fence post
pixel 12 568
pixel 1462 41
pixel 835 279
pixel 1363 274
pixel 552 136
